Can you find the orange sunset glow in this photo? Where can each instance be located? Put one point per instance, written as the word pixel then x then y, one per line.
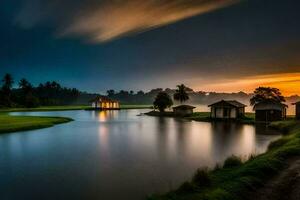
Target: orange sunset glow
pixel 288 83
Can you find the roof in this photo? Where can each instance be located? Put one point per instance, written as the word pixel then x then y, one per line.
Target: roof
pixel 233 103
pixel 184 107
pixel 103 98
pixel 269 106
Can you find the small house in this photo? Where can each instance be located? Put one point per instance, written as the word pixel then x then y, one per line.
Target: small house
pixel 270 111
pixel 105 103
pixel 297 105
pixel 227 110
pixel 183 110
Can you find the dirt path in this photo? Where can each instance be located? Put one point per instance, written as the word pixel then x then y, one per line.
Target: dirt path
pixel 285 186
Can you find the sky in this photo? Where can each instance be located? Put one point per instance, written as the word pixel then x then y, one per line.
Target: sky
pixel 209 45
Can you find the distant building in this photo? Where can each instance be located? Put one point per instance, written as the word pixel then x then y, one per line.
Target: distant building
pixel 297 104
pixel 105 103
pixel 227 109
pixel 270 111
pixel 183 110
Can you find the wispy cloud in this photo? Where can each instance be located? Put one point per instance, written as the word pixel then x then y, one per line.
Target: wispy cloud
pixel 105 20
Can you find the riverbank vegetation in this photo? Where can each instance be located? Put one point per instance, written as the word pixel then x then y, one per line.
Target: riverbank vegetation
pixel 66 108
pixel 236 180
pixel 10 124
pixel 50 93
pixel 249 118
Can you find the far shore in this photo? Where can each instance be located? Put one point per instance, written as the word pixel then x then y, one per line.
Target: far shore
pixel 10 124
pixel 67 107
pixel 201 116
pixel 249 118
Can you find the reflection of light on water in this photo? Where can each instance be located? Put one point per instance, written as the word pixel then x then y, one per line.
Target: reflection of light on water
pixel 107 115
pixel 103 133
pixel 102 116
pixel 248 140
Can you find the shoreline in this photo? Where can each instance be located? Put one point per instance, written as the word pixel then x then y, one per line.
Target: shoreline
pixel 12 124
pixel 205 117
pixel 238 180
pixel 67 108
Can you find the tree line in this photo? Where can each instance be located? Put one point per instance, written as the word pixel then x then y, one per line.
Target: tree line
pixel 260 95
pixel 26 95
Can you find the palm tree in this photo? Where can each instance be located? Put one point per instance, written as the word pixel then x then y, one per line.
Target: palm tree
pixel 7 82
pixel 181 93
pixel 266 94
pixel 6 90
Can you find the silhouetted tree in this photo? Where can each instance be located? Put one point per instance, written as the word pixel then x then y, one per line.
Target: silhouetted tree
pixel 110 93
pixel 25 85
pixel 27 97
pixel 181 93
pixel 266 94
pixel 6 93
pixel 140 93
pixel 162 101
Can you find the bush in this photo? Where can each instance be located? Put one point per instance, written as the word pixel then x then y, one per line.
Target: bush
pixel 186 187
pixel 232 161
pixel 201 178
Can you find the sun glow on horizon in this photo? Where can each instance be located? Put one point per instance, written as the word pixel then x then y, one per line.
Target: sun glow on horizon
pixel 288 83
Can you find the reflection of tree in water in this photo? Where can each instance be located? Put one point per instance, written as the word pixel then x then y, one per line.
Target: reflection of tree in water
pixel 172 136
pixel 182 129
pixel 224 135
pixel 161 136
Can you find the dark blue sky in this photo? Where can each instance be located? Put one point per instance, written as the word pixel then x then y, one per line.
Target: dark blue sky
pixel 246 39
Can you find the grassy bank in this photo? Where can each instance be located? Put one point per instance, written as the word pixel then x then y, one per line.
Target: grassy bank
pixel 236 180
pixel 136 106
pixel 205 117
pixel 66 108
pixel 10 124
pixel 45 108
pixel 202 116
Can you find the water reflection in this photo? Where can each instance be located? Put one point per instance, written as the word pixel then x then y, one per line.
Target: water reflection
pixel 117 154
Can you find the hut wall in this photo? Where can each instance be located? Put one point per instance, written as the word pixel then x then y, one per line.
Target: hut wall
pixel 183 112
pixel 233 113
pixel 268 115
pixel 298 110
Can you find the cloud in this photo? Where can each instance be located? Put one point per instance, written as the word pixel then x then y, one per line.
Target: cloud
pixel 105 20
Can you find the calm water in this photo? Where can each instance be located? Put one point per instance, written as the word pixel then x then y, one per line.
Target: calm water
pixel 116 155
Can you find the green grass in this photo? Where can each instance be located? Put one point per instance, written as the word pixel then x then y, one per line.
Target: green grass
pixel 205 117
pixel 65 108
pixel 10 124
pixel 135 106
pixel 237 180
pixel 45 108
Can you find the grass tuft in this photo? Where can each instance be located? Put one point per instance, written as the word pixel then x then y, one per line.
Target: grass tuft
pixel 232 161
pixel 201 178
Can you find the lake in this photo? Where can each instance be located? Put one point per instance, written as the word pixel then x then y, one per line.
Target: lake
pixel 114 155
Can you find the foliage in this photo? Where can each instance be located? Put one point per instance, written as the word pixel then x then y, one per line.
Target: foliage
pixel 6 93
pixel 232 161
pixel 267 94
pixel 201 178
pixel 49 93
pixel 181 93
pixel 162 101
